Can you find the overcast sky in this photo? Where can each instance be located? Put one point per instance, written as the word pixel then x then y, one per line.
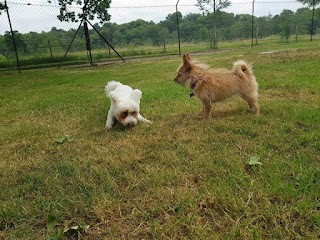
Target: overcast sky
pixel 38 15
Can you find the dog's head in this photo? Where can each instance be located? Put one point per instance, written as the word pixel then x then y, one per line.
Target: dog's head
pixel 126 110
pixel 184 71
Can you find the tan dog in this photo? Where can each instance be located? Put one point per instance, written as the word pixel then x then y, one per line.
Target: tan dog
pixel 211 85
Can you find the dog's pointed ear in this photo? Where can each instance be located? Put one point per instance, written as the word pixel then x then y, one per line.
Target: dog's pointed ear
pixel 113 97
pixel 136 95
pixel 186 60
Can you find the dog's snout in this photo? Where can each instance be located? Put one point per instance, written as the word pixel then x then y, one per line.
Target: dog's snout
pixel 176 79
pixel 130 124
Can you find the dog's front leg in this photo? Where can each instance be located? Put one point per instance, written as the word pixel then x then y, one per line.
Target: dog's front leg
pixel 142 119
pixel 206 110
pixel 110 120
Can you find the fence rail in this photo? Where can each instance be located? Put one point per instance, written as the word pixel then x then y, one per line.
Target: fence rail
pixel 146 28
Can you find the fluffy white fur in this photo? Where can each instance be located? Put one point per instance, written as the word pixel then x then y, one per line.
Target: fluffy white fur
pixel 124 104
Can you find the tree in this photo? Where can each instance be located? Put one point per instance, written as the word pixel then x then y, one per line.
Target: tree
pixel 2 7
pixel 285 23
pixel 216 5
pixel 20 43
pixel 171 21
pixel 241 29
pixel 310 2
pixel 93 8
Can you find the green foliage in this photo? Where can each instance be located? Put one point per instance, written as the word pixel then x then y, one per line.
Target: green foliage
pixel 7 42
pixel 310 2
pixel 64 139
pixel 254 161
pixel 285 23
pixel 71 230
pixel 2 7
pixel 66 229
pixel 93 8
pixel 215 5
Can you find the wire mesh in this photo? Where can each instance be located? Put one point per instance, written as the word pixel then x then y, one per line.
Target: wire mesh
pixel 147 27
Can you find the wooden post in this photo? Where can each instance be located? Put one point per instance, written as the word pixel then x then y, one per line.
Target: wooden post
pixel 257 35
pixel 164 41
pixel 109 51
pixel 252 23
pixel 50 48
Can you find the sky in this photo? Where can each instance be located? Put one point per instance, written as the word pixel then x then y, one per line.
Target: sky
pixel 38 15
pixel 262 7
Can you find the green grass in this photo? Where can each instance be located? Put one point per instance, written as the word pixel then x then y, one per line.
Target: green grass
pixel 179 178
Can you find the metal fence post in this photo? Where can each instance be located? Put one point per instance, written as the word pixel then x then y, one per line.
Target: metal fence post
pixel 252 23
pixel 86 32
pixel 88 43
pixel 12 34
pixel 312 20
pixel 178 27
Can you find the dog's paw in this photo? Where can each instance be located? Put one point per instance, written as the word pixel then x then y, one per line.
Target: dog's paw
pixel 108 127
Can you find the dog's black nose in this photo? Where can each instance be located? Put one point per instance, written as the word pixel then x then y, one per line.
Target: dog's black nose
pixel 130 124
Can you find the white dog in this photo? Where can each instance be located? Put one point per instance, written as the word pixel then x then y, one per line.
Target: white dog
pixel 124 104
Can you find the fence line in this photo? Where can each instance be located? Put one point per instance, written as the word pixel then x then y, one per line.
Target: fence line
pixel 145 29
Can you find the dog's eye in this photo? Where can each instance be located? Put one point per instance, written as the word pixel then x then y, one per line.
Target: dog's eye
pixel 134 113
pixel 124 114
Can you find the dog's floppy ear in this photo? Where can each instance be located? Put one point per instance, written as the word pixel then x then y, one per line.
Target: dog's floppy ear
pixel 113 97
pixel 136 95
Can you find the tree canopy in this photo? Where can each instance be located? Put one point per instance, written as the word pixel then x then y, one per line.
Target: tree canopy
pixel 310 2
pixel 91 9
pixel 216 5
pixel 2 7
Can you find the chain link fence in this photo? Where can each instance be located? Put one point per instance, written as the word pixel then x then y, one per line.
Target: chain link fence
pixel 140 28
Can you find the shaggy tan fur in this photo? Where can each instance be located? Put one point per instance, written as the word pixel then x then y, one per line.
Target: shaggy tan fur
pixel 213 85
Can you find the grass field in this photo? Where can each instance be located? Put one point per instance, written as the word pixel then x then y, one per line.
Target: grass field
pixel 64 177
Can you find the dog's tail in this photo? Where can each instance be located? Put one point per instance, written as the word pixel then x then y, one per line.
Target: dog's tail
pixel 111 86
pixel 242 69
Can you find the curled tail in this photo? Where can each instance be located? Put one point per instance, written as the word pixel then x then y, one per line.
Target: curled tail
pixel 242 69
pixel 111 86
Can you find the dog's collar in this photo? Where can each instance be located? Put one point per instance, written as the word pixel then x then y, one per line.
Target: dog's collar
pixel 194 84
